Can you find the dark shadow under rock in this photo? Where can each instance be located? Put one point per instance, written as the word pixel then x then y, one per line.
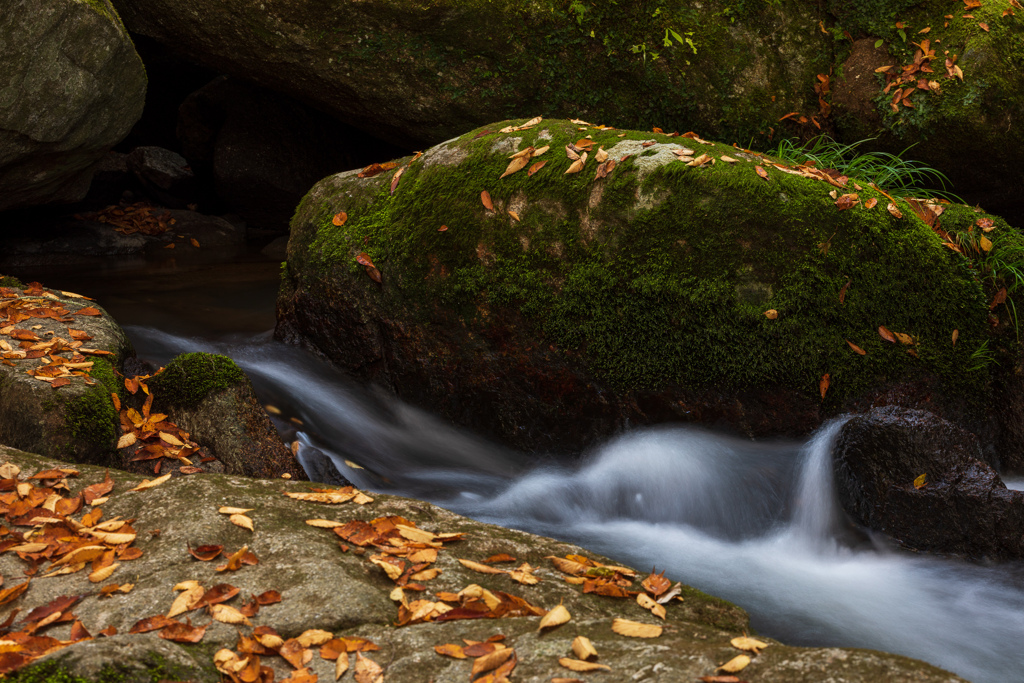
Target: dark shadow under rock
pixel 963 508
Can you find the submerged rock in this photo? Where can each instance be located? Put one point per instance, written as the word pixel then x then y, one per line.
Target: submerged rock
pixel 961 506
pixel 323 587
pixel 737 293
pixel 71 87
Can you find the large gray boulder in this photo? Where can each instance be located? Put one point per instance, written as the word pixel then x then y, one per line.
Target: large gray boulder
pixel 71 87
pixel 418 73
pixel 340 591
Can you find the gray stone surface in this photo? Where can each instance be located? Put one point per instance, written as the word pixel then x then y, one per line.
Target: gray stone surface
pixel 71 87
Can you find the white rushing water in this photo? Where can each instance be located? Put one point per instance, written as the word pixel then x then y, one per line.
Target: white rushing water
pixel 755 523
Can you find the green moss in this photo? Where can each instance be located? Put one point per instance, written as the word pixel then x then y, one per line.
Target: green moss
pixel 156 669
pixel 92 422
pixel 668 291
pixel 8 281
pixel 191 377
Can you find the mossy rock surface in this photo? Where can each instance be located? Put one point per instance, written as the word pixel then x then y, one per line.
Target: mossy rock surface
pixel 78 421
pixel 342 592
pixel 966 125
pixel 211 397
pixel 71 87
pixel 635 298
pixel 417 73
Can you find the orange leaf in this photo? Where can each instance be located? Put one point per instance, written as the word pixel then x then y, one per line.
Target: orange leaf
pixel 88 310
pixel 761 172
pixel 870 203
pixel 826 379
pixel 656 584
pixel 450 650
pixel 956 334
pixel 396 178
pixel 885 334
pixel 999 298
pixel 983 26
pixel 842 292
pixel 856 348
pixel 485 197
pixel 340 218
pixel 536 167
pixel 183 633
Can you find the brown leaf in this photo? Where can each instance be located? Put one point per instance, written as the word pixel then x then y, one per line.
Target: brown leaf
pixel 482 568
pixel 375 169
pixel 956 334
pixel 871 203
pixel 771 314
pixel 151 624
pixel 856 348
pixel 340 218
pixel 517 164
pixel 842 292
pixel 999 298
pixel 885 334
pixel 891 208
pixel 395 178
pixel 367 670
pixel 268 598
pixel 183 633
pixel 485 198
pixel 983 26
pixel 88 310
pixel 450 650
pixel 719 679
pixel 761 172
pixel 846 201
pixel 656 584
pixel 536 167
pixel 823 385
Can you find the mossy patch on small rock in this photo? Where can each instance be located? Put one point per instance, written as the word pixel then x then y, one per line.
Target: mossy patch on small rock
pixel 189 378
pixel 635 298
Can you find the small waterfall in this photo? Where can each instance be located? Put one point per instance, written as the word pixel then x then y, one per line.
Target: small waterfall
pixel 817 515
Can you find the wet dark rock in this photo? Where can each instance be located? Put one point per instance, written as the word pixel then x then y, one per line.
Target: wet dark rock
pixel 211 398
pixel 262 150
pixel 963 509
pixel 165 176
pixel 72 87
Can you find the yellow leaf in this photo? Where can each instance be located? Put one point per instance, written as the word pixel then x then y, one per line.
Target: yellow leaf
pixel 147 484
pixel 450 650
pixel 524 574
pixel 186 600
pixel 314 636
pixel 577 665
pixel 84 554
pixel 426 574
pixel 515 216
pixel 112 539
pixel 492 661
pixel 556 617
pixel 737 663
pixel 577 166
pixel 185 585
pixel 324 523
pixel 482 568
pixel 635 629
pixel 522 153
pixel 242 521
pixel 771 314
pixel 567 566
pixel 921 481
pixel 226 510
pixel 601 155
pixel 228 615
pixel 171 439
pixel 648 603
pixel 540 150
pixel 361 498
pixel 341 666
pixel 518 164
pixel 728 159
pixel 748 644
pixel 126 440
pixel 583 648
pixel 104 573
pixel 986 243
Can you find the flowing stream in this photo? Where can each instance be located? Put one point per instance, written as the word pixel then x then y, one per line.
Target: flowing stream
pixel 755 523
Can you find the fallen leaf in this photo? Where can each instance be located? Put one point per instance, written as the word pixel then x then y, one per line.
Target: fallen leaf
pixel 515 216
pixel 492 661
pixel 885 334
pixel 340 218
pixel 147 484
pixel 485 198
pixel 227 614
pixel 186 601
pixel 450 650
pixel 540 150
pixel 183 633
pixel 482 568
pixel 205 553
pixel 737 663
pixel 956 334
pixel 443 228
pixel 771 314
pixel 846 201
pixel 823 385
pixel 395 178
pixel 194 242
pixel 518 164
pixel 98 490
pixel 580 666
pixel 871 203
pixel 719 679
pixel 842 291
pixel 856 348
pixel 536 167
pixel 240 520
pixel 10 594
pixel 367 670
pixel 648 603
pixel 920 481
pixel 904 338
pixel 500 557
pixel 894 211
pixel 104 573
pixel 748 644
pixel 556 617
pixel 986 243
pixel 999 298
pixel 636 629
pixel 583 648
pixel 761 172
pixel 341 666
pixel 577 166
pixel 983 26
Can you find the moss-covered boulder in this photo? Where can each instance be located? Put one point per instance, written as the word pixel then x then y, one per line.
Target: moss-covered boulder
pixel 952 90
pixel 210 397
pixel 323 587
pixel 58 357
pixel 71 87
pixel 738 293
pixel 418 73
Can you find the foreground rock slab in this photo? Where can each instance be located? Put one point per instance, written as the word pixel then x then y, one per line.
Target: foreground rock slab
pixel 322 587
pixel 72 87
pixel 677 280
